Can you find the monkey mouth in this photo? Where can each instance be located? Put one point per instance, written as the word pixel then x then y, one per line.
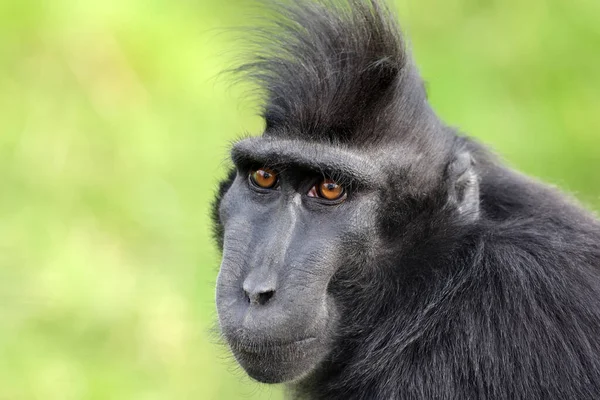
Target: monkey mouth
pixel 277 361
pixel 270 346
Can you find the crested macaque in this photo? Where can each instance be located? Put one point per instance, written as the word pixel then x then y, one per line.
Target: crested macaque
pixel 370 251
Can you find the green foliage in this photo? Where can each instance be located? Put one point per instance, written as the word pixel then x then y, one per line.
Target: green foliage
pixel 114 129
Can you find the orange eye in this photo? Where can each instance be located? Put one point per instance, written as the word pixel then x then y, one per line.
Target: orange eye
pixel 264 178
pixel 328 190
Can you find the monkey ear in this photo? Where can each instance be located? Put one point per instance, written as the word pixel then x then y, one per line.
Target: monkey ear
pixel 463 192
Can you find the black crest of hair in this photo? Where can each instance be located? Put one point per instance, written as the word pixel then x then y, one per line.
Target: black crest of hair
pixel 463 279
pixel 304 59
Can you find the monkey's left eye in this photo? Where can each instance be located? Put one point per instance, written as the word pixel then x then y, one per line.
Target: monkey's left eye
pixel 329 190
pixel 264 178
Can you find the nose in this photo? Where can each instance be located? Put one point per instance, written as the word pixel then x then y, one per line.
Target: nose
pixel 258 293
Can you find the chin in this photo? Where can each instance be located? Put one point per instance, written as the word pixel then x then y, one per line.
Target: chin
pixel 269 362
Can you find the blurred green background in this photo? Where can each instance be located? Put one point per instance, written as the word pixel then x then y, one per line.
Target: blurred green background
pixel 114 129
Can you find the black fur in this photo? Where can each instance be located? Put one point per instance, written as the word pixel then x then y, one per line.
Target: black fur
pixel 325 66
pixel 498 300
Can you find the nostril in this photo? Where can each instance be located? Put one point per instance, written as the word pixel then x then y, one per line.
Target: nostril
pixel 259 298
pixel 263 298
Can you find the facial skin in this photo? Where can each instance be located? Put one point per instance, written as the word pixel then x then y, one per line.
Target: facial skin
pixel 282 246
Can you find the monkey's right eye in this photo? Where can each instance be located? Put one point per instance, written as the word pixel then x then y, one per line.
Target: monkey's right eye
pixel 263 178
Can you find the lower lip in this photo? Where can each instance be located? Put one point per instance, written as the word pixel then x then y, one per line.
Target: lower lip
pixel 257 348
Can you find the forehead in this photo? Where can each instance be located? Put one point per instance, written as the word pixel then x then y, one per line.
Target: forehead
pixel 361 166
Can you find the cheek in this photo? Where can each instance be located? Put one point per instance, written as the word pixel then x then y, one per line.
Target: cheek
pixel 359 240
pixel 364 221
pixel 227 206
pixel 229 294
pixel 237 240
pixel 236 243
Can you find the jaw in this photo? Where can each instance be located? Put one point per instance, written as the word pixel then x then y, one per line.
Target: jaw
pixel 279 363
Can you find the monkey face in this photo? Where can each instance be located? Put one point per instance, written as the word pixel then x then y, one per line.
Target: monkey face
pixel 287 231
pixel 303 231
